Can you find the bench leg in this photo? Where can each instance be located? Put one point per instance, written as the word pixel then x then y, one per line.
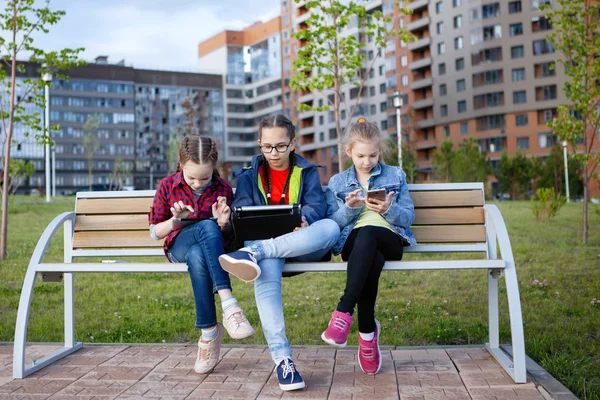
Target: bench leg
pixel 516 324
pixel 494 324
pixel 20 370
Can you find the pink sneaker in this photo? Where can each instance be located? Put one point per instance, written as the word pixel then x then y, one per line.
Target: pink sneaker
pixel 369 355
pixel 338 329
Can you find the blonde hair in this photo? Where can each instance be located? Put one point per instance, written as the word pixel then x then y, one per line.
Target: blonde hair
pixel 366 132
pixel 198 149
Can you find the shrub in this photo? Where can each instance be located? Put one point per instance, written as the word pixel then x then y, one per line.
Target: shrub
pixel 548 204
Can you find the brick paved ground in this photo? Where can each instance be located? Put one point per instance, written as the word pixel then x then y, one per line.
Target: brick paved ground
pixel 166 372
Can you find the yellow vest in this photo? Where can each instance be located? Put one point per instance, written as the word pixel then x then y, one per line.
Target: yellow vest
pixel 294 187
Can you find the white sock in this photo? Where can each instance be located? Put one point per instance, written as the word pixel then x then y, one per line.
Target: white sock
pixel 248 249
pixel 367 336
pixel 209 334
pixel 229 303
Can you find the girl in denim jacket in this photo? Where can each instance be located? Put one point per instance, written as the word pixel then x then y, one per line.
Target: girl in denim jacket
pixel 373 231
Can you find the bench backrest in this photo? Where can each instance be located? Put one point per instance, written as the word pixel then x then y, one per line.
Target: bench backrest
pixel 449 217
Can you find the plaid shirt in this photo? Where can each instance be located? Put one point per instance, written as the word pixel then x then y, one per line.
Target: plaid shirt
pixel 173 188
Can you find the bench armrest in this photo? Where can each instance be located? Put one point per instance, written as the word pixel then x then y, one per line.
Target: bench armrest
pixel 47 235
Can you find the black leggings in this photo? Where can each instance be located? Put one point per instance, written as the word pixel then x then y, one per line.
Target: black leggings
pixel 366 250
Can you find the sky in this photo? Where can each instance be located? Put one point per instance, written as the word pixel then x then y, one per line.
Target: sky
pixel 152 34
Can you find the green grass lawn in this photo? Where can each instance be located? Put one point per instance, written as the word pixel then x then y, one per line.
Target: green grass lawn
pixel 562 319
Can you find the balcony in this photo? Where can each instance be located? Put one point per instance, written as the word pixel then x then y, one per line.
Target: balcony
pixel 426 123
pixel 426 144
pixel 421 83
pixel 417 4
pixel 418 24
pixel 419 104
pixel 425 42
pixel 422 63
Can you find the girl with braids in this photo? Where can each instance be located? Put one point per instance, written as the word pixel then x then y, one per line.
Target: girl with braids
pixel 373 231
pixel 197 191
pixel 280 176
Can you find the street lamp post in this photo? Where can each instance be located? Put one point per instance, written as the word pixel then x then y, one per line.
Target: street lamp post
pixel 564 143
pixel 47 77
pixel 397 100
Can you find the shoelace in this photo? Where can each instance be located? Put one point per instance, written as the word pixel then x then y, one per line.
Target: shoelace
pixel 340 324
pixel 367 352
pixel 205 353
pixel 239 318
pixel 288 368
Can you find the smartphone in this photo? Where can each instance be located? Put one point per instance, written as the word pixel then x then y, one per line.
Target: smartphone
pixel 378 194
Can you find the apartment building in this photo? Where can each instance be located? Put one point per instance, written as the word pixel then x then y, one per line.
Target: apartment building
pixel 139 111
pixel 250 63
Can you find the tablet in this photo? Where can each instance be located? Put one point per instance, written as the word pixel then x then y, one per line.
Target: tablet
pixel 180 223
pixel 264 222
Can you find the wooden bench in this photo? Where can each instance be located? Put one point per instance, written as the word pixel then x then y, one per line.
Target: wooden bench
pixel 449 218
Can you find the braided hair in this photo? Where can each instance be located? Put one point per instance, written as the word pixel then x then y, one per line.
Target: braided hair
pixel 198 149
pixel 278 121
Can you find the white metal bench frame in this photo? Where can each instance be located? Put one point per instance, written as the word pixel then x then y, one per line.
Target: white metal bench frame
pixel 496 236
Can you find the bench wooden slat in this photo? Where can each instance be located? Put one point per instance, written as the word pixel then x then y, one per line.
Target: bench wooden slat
pixel 449 216
pixel 455 198
pixel 114 239
pixel 140 205
pixel 449 234
pixel 125 222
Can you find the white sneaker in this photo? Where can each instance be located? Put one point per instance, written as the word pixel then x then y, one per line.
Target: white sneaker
pixel 208 353
pixel 236 324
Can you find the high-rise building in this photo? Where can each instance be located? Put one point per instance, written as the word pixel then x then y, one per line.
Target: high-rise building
pixel 140 113
pixel 250 63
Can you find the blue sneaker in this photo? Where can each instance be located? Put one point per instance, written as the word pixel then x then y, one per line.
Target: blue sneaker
pixel 289 378
pixel 241 264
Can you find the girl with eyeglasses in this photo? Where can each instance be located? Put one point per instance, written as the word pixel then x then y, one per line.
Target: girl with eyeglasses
pixel 279 176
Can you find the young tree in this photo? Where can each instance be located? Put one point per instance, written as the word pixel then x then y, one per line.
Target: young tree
pixel 91 142
pixel 470 164
pixel 442 161
pixel 409 159
pixel 118 175
pixel 514 174
pixel 20 21
pixel 20 171
pixel 576 35
pixel 329 60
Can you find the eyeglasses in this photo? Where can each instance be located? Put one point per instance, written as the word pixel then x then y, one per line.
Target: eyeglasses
pixel 281 148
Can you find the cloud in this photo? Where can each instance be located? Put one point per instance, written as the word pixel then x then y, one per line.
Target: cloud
pixel 150 33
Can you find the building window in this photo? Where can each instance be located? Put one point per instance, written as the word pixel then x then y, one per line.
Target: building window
pixel 440 27
pixel 371 55
pixel 460 64
pixel 439 7
pixel 519 97
pixel 535 4
pixel 458 42
pixel 404 80
pixel 442 69
pixel 460 85
pixel 372 91
pixel 542 47
pixel 521 120
pixel 372 73
pixel 490 10
pixel 546 140
pixel 384 125
pixel 486 55
pixel 523 143
pixel 404 61
pixel 381 70
pixel 373 109
pixel 493 99
pixel 383 106
pixel 514 7
pixel 446 131
pixel 458 22
pixel 517 51
pixel 382 88
pixel 515 29
pixel 543 70
pixel 441 48
pixel 518 74
pixel 443 90
pixel 456 3
pixel 539 24
pixel 462 106
pixel 464 128
pixel 547 92
pixel 444 110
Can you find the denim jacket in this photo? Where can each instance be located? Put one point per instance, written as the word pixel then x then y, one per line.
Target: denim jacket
pixel 400 215
pixel 311 195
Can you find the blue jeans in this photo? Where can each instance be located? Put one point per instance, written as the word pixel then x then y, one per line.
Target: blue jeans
pixel 308 244
pixel 200 246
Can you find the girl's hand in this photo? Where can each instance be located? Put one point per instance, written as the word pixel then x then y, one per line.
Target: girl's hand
pixel 181 210
pixel 380 206
pixel 221 211
pixel 303 224
pixel 352 199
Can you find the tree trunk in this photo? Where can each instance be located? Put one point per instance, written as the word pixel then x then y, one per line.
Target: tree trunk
pixel 338 128
pixel 5 183
pixel 585 208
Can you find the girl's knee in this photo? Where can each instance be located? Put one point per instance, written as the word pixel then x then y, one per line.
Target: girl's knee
pixel 329 230
pixel 195 258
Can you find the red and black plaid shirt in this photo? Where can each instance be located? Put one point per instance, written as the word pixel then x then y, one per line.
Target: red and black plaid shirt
pixel 173 188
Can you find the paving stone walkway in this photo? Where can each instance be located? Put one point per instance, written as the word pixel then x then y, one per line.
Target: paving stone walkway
pixel 166 372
